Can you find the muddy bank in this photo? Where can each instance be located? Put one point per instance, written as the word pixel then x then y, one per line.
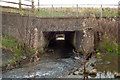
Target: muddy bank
pixel 9 61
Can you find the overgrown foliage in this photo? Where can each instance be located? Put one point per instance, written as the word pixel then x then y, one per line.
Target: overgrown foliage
pixel 109 46
pixel 19 49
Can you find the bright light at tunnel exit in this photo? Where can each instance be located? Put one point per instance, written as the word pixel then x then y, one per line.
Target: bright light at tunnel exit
pixel 60 37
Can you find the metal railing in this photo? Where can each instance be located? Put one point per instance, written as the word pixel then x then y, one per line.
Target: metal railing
pixel 65 10
pixel 79 10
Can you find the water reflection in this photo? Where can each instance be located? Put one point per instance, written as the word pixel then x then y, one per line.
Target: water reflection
pixel 106 66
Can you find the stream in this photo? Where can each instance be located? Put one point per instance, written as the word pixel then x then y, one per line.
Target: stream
pixel 57 66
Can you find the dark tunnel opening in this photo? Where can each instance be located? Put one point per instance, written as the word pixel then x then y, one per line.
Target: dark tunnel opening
pixel 60 43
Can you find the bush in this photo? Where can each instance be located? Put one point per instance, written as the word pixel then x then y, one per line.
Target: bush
pixel 108 46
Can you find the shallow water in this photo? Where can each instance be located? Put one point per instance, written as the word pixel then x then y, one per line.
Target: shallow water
pixel 106 66
pixel 52 65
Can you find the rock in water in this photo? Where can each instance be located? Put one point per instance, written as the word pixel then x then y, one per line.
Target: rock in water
pixel 76 58
pixel 93 72
pixel 76 73
pixel 117 75
pixel 24 57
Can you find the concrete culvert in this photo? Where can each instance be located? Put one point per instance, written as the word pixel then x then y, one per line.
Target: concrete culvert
pixel 59 43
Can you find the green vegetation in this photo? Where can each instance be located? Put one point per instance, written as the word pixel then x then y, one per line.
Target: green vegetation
pixel 15 46
pixel 18 48
pixel 67 12
pixel 40 49
pixel 86 71
pixel 109 46
pixel 92 64
pixel 11 43
pixel 97 50
pixel 98 54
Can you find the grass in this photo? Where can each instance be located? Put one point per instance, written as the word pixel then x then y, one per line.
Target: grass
pixel 12 44
pixel 16 47
pixel 68 12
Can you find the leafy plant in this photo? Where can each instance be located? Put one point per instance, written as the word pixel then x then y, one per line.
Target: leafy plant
pixel 97 49
pixel 108 46
pixel 92 64
pixel 98 54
